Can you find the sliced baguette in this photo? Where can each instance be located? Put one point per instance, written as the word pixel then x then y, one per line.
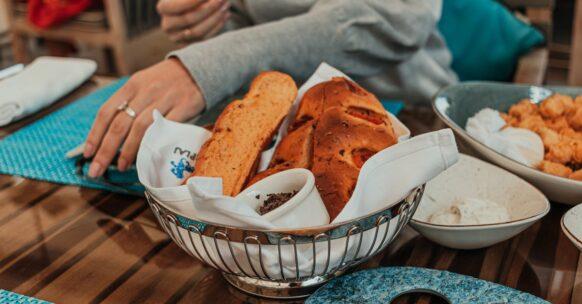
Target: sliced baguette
pixel 244 129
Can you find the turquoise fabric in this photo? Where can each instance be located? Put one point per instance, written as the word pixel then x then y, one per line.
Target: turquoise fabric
pixel 8 297
pixel 485 39
pixel 37 151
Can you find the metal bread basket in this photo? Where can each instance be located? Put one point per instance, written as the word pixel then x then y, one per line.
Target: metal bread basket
pixel 286 263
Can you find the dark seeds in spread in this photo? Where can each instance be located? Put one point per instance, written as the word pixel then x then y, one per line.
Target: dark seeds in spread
pixel 275 200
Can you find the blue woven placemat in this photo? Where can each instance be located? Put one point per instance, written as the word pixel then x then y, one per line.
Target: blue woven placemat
pixel 37 151
pixel 8 297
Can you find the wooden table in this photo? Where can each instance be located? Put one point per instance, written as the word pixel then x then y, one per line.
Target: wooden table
pixel 71 245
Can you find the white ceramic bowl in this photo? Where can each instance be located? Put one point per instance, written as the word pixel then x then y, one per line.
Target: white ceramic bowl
pixel 304 209
pixel 456 103
pixel 572 225
pixel 474 178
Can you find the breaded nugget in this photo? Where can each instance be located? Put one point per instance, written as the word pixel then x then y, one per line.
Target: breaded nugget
pixel 523 108
pixel 575 119
pixel 549 137
pixel 569 134
pixel 509 120
pixel 576 175
pixel 558 123
pixel 560 153
pixel 576 145
pixel 556 105
pixel 555 168
pixel 532 122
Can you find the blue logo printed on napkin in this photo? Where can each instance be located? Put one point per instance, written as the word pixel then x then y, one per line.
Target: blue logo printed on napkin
pixel 179 168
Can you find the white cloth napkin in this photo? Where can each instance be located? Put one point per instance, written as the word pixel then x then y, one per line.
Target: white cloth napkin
pixel 521 145
pixel 384 180
pixel 40 84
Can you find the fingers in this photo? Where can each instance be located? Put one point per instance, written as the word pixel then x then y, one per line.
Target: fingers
pixel 202 29
pixel 172 7
pixel 104 117
pixel 140 125
pixel 114 136
pixel 217 27
pixel 184 112
pixel 173 23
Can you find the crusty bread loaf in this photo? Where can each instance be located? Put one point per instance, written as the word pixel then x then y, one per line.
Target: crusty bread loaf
pixel 294 151
pixel 342 143
pixel 243 129
pixel 337 127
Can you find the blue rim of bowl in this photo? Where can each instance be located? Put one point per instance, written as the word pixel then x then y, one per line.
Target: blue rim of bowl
pixel 526 219
pixel 449 122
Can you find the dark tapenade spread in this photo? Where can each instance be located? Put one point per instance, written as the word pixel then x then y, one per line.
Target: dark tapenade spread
pixel 275 200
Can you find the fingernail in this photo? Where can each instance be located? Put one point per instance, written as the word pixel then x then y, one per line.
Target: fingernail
pixel 121 164
pixel 225 7
pixel 95 170
pixel 89 150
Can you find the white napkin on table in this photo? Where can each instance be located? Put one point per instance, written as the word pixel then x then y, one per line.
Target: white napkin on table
pixel 41 83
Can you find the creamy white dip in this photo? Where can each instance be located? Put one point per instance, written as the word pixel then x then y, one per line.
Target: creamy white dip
pixel 471 211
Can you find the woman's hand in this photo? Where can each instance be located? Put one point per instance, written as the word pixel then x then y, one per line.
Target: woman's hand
pixel 166 86
pixel 188 21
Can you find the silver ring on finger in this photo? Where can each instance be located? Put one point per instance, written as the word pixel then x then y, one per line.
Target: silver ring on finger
pixel 124 107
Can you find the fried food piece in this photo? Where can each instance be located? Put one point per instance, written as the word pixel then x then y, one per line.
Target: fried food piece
pixel 576 145
pixel 556 105
pixel 569 134
pixel 560 153
pixel 557 124
pixel 523 108
pixel 569 104
pixel 549 137
pixel 555 168
pixel 533 122
pixel 576 175
pixel 510 120
pixel 575 119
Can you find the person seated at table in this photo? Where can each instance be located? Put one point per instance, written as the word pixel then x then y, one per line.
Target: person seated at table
pixel 391 47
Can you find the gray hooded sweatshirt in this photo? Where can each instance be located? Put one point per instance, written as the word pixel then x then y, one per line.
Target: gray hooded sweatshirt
pixel 391 47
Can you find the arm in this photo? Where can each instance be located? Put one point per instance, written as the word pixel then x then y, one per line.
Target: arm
pixel 358 37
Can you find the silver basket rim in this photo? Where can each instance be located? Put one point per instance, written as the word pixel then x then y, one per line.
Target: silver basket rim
pixel 312 230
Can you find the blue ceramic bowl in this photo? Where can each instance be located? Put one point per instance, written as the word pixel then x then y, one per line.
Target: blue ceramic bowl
pixel 457 103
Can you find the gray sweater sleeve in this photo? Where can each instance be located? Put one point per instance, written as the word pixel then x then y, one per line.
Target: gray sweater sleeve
pixel 359 37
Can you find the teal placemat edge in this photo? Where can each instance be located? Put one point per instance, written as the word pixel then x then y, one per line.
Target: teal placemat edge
pixel 37 151
pixel 9 297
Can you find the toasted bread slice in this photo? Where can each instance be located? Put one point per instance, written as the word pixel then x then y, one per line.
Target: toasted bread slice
pixel 338 126
pixel 294 151
pixel 243 129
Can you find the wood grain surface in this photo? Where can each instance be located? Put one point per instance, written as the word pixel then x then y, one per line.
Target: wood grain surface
pixel 66 244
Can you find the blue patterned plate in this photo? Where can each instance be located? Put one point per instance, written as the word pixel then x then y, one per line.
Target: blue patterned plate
pixel 383 285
